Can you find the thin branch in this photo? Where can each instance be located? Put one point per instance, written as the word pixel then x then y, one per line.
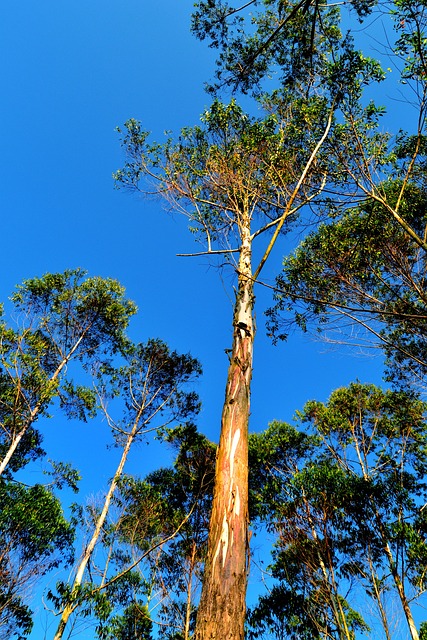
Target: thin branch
pixel 295 193
pixel 207 253
pixel 146 553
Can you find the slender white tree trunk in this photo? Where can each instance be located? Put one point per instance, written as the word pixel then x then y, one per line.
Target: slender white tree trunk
pixel 34 413
pixel 71 605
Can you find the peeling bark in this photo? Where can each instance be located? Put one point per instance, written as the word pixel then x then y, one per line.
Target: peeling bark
pixel 222 607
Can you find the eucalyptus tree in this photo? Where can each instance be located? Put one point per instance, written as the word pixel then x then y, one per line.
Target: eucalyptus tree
pixel 379 439
pixel 55 320
pixel 253 40
pixel 298 498
pixel 173 571
pixel 363 271
pixel 350 515
pixel 35 538
pixel 152 387
pixel 144 575
pixel 62 318
pixel 241 181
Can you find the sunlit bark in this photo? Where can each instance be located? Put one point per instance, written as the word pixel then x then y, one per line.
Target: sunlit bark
pixel 222 605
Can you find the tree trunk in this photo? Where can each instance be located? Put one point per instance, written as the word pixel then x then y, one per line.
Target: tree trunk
pixel 72 604
pixel 189 602
pixel 377 594
pixel 221 612
pixel 39 406
pixel 398 582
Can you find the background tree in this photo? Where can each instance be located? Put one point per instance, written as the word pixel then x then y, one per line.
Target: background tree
pixel 144 573
pixel 351 514
pixel 380 438
pixel 35 537
pixel 362 270
pixel 63 318
pixel 58 318
pixel 114 597
pixel 300 499
pixel 152 387
pixel 275 457
pixel 174 570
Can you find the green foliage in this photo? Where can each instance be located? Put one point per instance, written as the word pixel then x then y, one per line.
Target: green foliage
pixel 31 520
pixel 260 39
pixel 410 19
pixel 62 317
pixel 134 624
pixel 78 402
pixel 365 269
pixel 151 388
pixel 283 614
pixel 15 617
pixel 235 171
pixel 34 538
pixel 64 475
pixel 275 455
pixel 346 504
pixel 144 514
pixel 69 309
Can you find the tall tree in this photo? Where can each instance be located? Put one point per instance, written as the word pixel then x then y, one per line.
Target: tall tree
pixel 239 180
pixel 162 532
pixel 152 388
pixel 363 270
pixel 64 317
pixel 146 569
pixel 299 498
pixel 350 513
pixel 379 438
pixel 57 319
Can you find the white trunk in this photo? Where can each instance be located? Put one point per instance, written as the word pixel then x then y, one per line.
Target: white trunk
pixel 71 605
pixel 34 413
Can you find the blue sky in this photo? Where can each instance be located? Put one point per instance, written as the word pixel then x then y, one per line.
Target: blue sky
pixel 72 71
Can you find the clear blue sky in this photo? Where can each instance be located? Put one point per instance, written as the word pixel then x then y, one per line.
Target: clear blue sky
pixel 72 71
